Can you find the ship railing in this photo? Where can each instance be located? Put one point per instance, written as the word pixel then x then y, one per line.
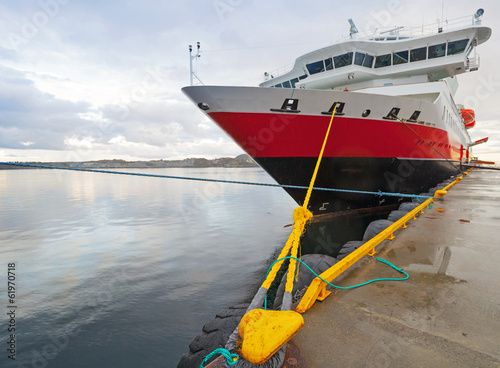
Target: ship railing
pixel 277 72
pixel 418 31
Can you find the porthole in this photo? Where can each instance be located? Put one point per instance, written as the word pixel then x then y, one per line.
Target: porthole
pixel 204 106
pixel 366 113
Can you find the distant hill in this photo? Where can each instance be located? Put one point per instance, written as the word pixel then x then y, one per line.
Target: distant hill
pixel 239 161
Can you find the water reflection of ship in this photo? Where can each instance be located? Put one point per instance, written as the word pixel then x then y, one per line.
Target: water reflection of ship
pixel 397 130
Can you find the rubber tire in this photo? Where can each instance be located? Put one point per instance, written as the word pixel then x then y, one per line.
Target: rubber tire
pixel 408 206
pixel 348 248
pixel 376 227
pixel 318 263
pixel 433 189
pixel 215 334
pixel 396 215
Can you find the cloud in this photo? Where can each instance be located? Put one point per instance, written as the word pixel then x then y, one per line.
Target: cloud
pixel 7 54
pixel 100 79
pixel 29 115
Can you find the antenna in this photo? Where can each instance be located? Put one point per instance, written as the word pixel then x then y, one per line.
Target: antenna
pixel 353 28
pixel 191 58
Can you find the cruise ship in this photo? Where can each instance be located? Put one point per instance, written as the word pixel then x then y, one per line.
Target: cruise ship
pixel 397 127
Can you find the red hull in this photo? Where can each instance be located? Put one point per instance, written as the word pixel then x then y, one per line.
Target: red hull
pixel 280 135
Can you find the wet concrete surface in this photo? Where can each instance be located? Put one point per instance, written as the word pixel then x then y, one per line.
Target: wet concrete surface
pixel 447 314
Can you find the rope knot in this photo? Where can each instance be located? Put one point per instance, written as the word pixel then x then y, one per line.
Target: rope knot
pixel 301 215
pixel 231 359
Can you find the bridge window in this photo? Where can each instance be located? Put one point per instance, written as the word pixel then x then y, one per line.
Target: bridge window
pixel 400 57
pixel 363 59
pixel 278 85
pixel 293 81
pixel 436 51
pixel 343 60
pixel 382 61
pixel 418 54
pixel 315 67
pixel 368 62
pixel 359 58
pixel 328 64
pixel 286 84
pixel 457 47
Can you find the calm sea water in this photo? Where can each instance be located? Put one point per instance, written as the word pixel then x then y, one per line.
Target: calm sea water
pixel 122 271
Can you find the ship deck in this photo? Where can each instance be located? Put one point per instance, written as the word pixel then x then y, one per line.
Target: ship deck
pixel 446 314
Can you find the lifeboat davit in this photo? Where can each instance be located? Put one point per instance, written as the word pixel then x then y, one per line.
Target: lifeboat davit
pixel 469 118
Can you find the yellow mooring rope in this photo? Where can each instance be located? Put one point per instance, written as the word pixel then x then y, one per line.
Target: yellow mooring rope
pixel 300 217
pixel 261 333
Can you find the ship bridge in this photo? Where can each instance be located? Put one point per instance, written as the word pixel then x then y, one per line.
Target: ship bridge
pixel 386 60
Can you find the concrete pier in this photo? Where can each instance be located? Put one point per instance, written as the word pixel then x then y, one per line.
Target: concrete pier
pixel 447 314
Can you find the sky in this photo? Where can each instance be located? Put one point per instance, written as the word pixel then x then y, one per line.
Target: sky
pixel 86 80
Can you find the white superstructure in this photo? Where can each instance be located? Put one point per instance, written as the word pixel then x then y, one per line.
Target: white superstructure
pixel 386 59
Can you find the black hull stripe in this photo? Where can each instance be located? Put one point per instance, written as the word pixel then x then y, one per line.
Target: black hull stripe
pixel 370 174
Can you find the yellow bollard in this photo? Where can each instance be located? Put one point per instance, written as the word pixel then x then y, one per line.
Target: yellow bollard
pixel 440 194
pixel 262 333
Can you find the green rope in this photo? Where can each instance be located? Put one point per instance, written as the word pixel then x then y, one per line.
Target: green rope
pixel 231 359
pixel 419 201
pixel 346 287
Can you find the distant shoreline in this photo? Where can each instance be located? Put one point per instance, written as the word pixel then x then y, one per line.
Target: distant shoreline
pixel 229 162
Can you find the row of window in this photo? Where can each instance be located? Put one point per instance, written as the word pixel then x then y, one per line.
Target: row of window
pixel 340 61
pixel 380 61
pixel 421 53
pixel 290 83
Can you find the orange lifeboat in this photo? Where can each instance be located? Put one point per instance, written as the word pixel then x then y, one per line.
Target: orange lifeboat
pixel 469 118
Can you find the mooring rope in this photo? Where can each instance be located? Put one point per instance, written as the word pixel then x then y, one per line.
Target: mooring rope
pixel 379 193
pixel 231 359
pixel 346 287
pixel 300 217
